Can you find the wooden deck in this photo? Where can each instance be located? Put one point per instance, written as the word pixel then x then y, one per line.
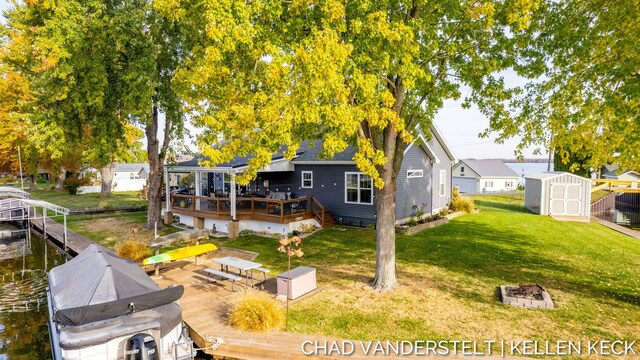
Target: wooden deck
pixel 205 307
pixel 250 208
pixel 76 243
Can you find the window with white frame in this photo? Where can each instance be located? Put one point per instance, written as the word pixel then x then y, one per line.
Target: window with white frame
pixel 414 174
pixel 442 184
pixel 508 184
pixel 488 184
pixel 307 179
pixel 226 183
pixel 133 176
pixel 461 169
pixel 358 188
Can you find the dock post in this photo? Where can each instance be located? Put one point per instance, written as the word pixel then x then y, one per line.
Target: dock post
pixel 44 224
pixel 64 235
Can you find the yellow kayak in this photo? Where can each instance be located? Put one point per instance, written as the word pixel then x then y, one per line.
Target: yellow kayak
pixel 179 254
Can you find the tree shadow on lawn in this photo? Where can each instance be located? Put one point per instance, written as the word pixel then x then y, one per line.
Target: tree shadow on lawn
pixel 500 206
pixel 500 257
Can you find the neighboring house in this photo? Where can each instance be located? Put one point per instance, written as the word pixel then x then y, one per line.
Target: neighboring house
pixel 473 176
pixel 298 190
pixel 613 172
pixel 130 177
pixel 126 177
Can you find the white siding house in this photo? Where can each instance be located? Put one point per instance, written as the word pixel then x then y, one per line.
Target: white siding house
pixel 558 193
pixel 126 177
pixel 483 176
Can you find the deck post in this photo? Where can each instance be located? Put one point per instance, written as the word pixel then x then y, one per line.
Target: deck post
pixel 196 176
pixel 232 195
pixel 252 205
pixel 281 211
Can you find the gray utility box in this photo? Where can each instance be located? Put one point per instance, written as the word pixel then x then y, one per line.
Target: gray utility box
pixel 303 280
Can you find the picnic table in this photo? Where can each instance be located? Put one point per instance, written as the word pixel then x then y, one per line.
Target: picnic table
pixel 240 264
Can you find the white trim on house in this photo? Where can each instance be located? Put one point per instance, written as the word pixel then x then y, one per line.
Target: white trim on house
pixel 442 183
pixel 412 174
pixel 424 144
pixel 302 179
pixel 358 188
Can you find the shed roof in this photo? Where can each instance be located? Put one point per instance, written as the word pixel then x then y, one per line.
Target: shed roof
pixel 552 174
pixel 489 168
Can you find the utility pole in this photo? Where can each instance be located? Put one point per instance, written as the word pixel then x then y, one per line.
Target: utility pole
pixel 20 162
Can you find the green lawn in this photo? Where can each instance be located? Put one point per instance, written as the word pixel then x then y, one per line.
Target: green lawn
pixel 85 201
pixel 449 276
pixel 108 229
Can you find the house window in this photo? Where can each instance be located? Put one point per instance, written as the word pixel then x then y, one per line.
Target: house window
pixel 358 188
pixel 461 169
pixel 442 184
pixel 226 183
pixel 307 179
pixel 508 184
pixel 488 184
pixel 414 174
pixel 132 176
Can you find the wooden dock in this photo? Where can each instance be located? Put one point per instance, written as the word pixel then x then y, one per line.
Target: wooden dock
pixel 204 309
pixel 75 243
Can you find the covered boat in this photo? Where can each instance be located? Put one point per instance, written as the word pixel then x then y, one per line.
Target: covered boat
pixel 105 307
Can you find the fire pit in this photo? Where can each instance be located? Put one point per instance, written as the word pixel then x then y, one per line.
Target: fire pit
pixel 529 296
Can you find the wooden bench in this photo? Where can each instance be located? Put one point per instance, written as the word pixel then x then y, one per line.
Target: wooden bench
pixel 223 275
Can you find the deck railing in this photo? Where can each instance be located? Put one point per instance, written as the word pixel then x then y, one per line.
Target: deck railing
pixel 603 207
pixel 255 208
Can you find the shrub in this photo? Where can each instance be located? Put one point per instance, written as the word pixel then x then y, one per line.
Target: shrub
pixel 306 228
pixel 256 311
pixel 461 203
pixel 72 183
pixel 412 222
pixel 132 249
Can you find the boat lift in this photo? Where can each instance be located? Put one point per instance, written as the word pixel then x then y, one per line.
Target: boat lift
pixel 26 209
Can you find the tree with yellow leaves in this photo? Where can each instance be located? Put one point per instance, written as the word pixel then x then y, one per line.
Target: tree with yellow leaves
pixel 262 76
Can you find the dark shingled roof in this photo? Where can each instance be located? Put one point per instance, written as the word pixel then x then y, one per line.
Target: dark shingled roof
pixel 490 168
pixel 308 151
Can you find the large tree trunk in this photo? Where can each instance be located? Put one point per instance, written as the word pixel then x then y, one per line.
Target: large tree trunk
pixel 386 213
pixel 62 176
pixel 386 234
pixel 393 147
pixel 106 175
pixel 32 182
pixel 156 163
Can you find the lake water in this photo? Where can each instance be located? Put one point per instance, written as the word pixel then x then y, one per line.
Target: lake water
pixel 25 335
pixel 526 168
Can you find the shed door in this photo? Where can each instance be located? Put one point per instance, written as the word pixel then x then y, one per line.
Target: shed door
pixel 566 199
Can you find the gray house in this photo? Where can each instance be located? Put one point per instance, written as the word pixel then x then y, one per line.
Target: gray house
pixel 289 193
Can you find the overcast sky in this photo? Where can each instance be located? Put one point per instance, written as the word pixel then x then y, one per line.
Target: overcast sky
pixel 459 126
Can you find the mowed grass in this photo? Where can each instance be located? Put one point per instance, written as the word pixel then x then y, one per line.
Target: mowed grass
pixel 90 201
pixel 449 277
pixel 109 229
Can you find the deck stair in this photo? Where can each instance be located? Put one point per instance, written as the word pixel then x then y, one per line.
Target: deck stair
pixel 329 220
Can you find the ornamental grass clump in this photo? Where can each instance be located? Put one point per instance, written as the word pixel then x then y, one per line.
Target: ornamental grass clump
pixel 257 312
pixel 460 203
pixel 132 249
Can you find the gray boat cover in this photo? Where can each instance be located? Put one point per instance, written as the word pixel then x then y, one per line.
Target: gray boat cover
pixel 98 289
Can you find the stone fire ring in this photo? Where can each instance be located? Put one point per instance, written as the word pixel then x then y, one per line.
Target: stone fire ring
pixel 542 300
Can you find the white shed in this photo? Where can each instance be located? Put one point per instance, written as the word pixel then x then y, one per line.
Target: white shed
pixel 558 193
